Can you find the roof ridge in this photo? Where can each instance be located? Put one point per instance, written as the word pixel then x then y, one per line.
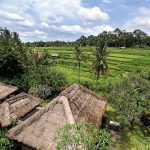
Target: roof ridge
pixel 69 89
pixel 67 109
pixel 16 98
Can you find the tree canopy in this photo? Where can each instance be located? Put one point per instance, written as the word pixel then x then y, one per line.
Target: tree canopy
pixel 116 38
pixel 12 54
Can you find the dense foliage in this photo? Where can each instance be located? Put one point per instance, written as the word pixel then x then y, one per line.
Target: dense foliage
pixel 33 69
pixel 43 81
pixel 83 137
pixel 132 98
pixel 5 144
pixel 118 38
pixel 142 145
pixel 12 54
pixel 48 44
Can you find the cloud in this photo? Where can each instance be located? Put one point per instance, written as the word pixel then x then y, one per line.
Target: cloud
pixel 56 11
pixel 37 32
pixel 50 11
pixel 76 29
pixel 106 1
pixel 40 35
pixel 93 14
pixel 142 21
pixel 26 23
pixel 13 14
pixel 44 25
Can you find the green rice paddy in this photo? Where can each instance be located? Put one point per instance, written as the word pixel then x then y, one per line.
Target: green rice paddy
pixel 119 61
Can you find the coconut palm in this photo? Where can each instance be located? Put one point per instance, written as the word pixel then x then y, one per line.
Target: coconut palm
pixel 79 56
pixel 100 65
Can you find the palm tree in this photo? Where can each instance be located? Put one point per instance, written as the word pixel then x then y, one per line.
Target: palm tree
pixel 100 64
pixel 79 56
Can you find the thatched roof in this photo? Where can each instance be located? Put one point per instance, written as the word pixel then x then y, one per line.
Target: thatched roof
pixel 86 106
pixel 40 130
pixel 16 107
pixel 6 90
pixel 76 104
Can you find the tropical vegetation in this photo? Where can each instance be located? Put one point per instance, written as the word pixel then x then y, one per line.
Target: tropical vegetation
pixel 120 61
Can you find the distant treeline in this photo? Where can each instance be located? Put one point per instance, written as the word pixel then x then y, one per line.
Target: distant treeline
pixel 49 43
pixel 116 38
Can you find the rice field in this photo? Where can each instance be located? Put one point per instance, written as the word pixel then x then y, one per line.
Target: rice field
pixel 120 61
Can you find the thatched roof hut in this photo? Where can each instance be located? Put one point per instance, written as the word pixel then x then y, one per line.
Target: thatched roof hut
pixel 40 130
pixel 76 104
pixel 86 106
pixel 16 107
pixel 6 90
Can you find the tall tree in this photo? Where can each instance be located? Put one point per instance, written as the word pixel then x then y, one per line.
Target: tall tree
pixel 82 41
pixel 100 65
pixel 79 56
pixel 12 54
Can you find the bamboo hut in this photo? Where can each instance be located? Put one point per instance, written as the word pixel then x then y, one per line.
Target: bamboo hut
pixel 6 90
pixel 86 106
pixel 16 107
pixel 76 104
pixel 40 130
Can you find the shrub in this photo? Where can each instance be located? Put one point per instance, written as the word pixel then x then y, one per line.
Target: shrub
pixel 41 91
pixel 5 144
pixel 82 137
pixel 43 82
pixel 131 97
pixel 144 145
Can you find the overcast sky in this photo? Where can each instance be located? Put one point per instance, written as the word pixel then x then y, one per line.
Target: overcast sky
pixel 67 20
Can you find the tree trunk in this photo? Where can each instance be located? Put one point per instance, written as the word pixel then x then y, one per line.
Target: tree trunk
pixel 131 124
pixel 97 79
pixel 79 72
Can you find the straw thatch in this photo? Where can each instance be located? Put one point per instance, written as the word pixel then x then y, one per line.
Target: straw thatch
pixel 16 107
pixel 6 90
pixel 40 130
pixel 76 104
pixel 86 106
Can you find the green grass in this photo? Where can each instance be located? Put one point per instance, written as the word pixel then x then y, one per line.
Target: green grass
pixel 128 139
